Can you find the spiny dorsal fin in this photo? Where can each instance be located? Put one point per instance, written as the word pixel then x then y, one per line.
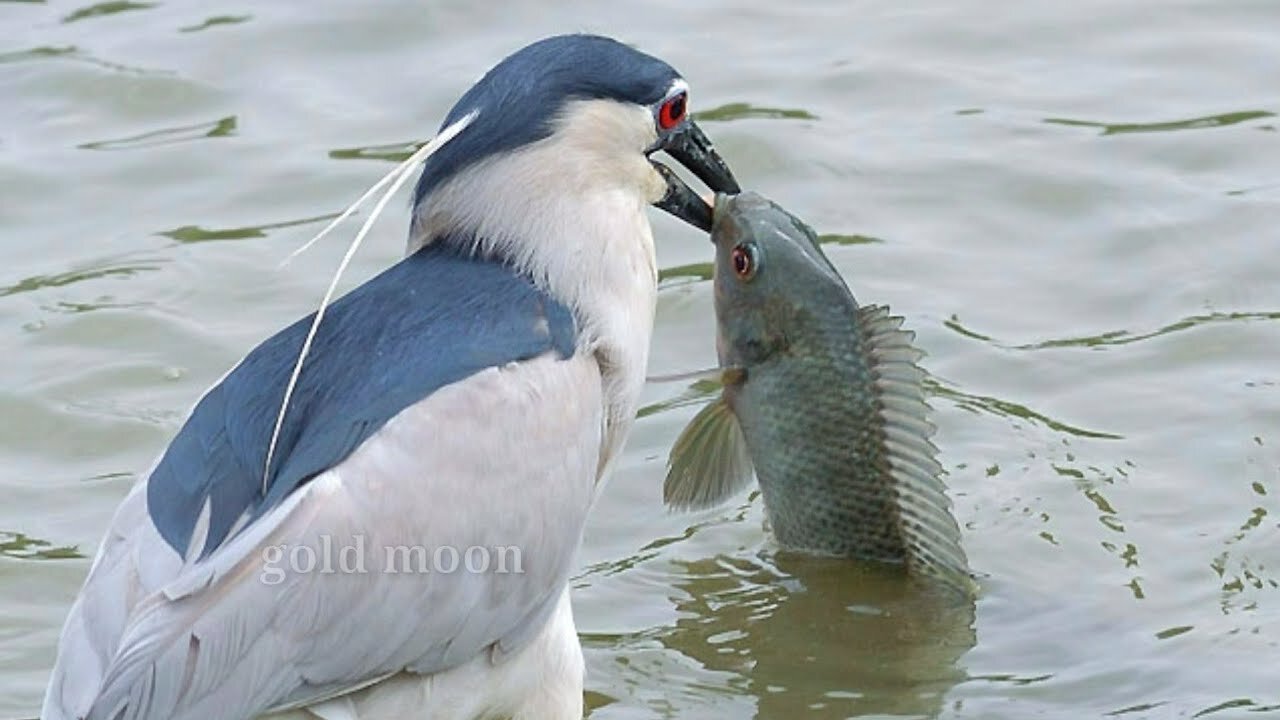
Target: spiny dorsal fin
pixel 929 531
pixel 709 461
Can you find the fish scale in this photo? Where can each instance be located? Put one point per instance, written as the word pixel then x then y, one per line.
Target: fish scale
pixel 822 494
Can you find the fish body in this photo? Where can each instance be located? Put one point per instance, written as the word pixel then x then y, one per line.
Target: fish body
pixel 822 399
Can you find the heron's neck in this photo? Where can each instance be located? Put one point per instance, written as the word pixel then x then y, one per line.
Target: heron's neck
pixel 572 216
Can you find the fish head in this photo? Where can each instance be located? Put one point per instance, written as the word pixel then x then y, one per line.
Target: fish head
pixel 769 276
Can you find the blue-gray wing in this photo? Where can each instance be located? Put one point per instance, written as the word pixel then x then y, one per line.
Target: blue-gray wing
pixel 343 579
pixel 432 319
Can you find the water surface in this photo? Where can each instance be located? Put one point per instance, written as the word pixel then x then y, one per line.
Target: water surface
pixel 1075 205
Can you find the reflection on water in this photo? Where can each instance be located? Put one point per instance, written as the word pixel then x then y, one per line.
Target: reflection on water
pixel 197 234
pixel 105 302
pixel 388 152
pixel 37 282
pixel 1267 187
pixel 823 637
pixel 1006 408
pixel 222 127
pixel 71 52
pixel 37 53
pixel 1134 577
pixel 1241 574
pixel 25 547
pixel 215 21
pixel 838 239
pixel 1117 337
pixel 743 111
pixel 106 8
pixel 680 274
pixel 1250 705
pixel 1208 121
pixel 1091 481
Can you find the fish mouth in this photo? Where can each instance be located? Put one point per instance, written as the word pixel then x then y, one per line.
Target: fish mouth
pixel 731 212
pixel 693 149
pixel 723 222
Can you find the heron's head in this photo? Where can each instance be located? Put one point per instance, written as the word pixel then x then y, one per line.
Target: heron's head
pixel 562 133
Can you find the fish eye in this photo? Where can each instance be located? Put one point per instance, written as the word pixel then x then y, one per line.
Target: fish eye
pixel 745 259
pixel 673 110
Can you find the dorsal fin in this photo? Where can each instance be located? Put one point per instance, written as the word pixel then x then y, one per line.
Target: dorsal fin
pixel 929 531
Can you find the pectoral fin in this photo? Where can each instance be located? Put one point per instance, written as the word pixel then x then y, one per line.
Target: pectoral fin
pixel 709 462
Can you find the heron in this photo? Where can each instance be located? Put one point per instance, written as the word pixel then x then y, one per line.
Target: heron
pixel 471 396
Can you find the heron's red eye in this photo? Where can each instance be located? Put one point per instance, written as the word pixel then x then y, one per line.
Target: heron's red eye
pixel 743 258
pixel 672 111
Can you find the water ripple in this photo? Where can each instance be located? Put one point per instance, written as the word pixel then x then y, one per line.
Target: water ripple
pixel 114 7
pixel 692 272
pixel 1141 708
pixel 388 152
pixel 1006 408
pixel 769 619
pixel 222 127
pixel 743 111
pixel 24 547
pixel 37 282
pixel 215 21
pixel 838 239
pixel 197 234
pixel 1236 703
pixel 1252 190
pixel 1013 679
pixel 103 303
pixel 1238 572
pixel 1114 337
pixel 37 53
pixel 75 54
pixel 1208 121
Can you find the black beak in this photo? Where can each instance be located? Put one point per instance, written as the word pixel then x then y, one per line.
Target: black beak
pixel 691 147
pixel 682 201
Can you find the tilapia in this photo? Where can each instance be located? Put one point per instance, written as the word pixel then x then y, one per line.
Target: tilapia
pixel 823 402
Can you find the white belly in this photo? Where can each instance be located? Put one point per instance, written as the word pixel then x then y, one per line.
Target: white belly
pixel 543 681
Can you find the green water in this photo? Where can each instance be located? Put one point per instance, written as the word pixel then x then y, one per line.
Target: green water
pixel 1075 205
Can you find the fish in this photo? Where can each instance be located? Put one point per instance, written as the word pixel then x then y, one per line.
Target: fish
pixel 822 402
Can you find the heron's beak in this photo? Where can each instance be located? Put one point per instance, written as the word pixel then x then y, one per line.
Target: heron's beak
pixel 691 147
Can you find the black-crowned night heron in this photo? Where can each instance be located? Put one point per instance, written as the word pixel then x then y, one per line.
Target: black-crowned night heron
pixel 402 548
